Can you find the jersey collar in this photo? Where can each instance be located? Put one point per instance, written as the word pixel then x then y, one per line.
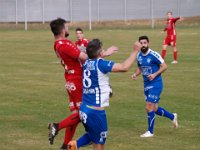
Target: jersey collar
pixel 146 53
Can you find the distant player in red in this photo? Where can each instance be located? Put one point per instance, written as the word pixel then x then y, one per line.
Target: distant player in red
pixel 81 42
pixel 70 57
pixel 170 39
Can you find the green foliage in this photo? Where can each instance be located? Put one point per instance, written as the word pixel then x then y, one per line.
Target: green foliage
pixel 33 93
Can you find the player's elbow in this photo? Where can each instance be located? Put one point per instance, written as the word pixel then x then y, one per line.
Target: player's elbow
pixel 165 66
pixel 120 68
pixel 124 68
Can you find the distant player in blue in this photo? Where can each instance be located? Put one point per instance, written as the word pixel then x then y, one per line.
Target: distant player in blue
pixel 151 66
pixel 96 90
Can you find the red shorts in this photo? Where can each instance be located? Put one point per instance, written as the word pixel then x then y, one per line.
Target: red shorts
pixel 74 89
pixel 170 40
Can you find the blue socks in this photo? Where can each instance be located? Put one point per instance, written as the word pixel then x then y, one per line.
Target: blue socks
pixel 83 141
pixel 151 119
pixel 162 112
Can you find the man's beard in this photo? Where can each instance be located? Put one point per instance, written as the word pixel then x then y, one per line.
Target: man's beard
pixel 66 34
pixel 144 49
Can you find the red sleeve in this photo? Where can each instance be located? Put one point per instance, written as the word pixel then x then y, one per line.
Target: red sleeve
pixel 86 42
pixel 71 50
pixel 175 19
pixel 76 43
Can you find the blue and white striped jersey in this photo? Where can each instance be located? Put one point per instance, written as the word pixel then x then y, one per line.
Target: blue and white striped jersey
pixel 149 64
pixel 96 86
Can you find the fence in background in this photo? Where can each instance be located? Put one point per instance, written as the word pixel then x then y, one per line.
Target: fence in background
pixel 94 10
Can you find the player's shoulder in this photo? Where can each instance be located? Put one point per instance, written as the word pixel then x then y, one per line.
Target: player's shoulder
pixel 85 40
pixel 76 42
pixel 66 45
pixel 156 56
pixel 102 61
pixel 63 42
pixel 154 53
pixel 139 54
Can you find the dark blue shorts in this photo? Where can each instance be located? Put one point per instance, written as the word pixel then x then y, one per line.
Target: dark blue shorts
pixel 95 123
pixel 152 92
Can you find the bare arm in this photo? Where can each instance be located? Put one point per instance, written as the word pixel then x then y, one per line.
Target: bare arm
pixel 163 67
pixel 136 73
pixel 83 56
pixel 109 51
pixel 125 66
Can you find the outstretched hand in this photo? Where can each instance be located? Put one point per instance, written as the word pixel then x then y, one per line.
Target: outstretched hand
pixel 133 76
pixel 137 46
pixel 181 18
pixel 110 51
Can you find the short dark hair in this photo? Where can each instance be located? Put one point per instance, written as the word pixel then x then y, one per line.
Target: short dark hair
pixel 58 25
pixel 79 29
pixel 94 48
pixel 170 12
pixel 144 37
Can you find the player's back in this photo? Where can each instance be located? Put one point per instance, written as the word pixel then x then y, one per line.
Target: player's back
pixel 96 86
pixel 69 54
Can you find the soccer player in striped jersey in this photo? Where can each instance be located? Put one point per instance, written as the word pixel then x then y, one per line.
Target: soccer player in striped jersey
pixel 70 57
pixel 151 66
pixel 170 39
pixel 96 91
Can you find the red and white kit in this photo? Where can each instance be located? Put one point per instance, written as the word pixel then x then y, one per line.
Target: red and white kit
pixel 82 44
pixel 171 33
pixel 69 55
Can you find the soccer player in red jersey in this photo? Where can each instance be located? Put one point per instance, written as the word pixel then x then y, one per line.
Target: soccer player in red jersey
pixel 170 39
pixel 70 57
pixel 81 42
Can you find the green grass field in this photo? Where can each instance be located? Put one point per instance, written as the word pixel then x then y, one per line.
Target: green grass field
pixel 33 93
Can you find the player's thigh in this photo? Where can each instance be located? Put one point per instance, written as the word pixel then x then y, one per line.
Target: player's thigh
pixel 154 95
pixel 153 91
pixel 95 123
pixel 74 89
pixel 166 42
pixel 174 42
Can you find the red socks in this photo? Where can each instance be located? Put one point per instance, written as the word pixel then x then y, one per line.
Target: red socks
pixel 69 133
pixel 175 55
pixel 71 120
pixel 163 53
pixel 70 123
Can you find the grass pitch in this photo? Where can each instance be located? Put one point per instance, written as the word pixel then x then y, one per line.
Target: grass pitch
pixel 33 94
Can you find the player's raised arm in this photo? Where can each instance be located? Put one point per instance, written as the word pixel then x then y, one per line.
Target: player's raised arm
pixel 125 66
pixel 110 51
pixel 83 56
pixel 181 18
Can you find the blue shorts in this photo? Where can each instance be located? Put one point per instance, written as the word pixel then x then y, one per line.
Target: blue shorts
pixel 153 91
pixel 95 123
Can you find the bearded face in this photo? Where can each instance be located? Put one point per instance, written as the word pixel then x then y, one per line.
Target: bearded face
pixel 66 30
pixel 144 49
pixel 66 34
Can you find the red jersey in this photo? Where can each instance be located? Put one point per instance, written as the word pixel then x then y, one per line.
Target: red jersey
pixel 69 54
pixel 82 44
pixel 170 26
